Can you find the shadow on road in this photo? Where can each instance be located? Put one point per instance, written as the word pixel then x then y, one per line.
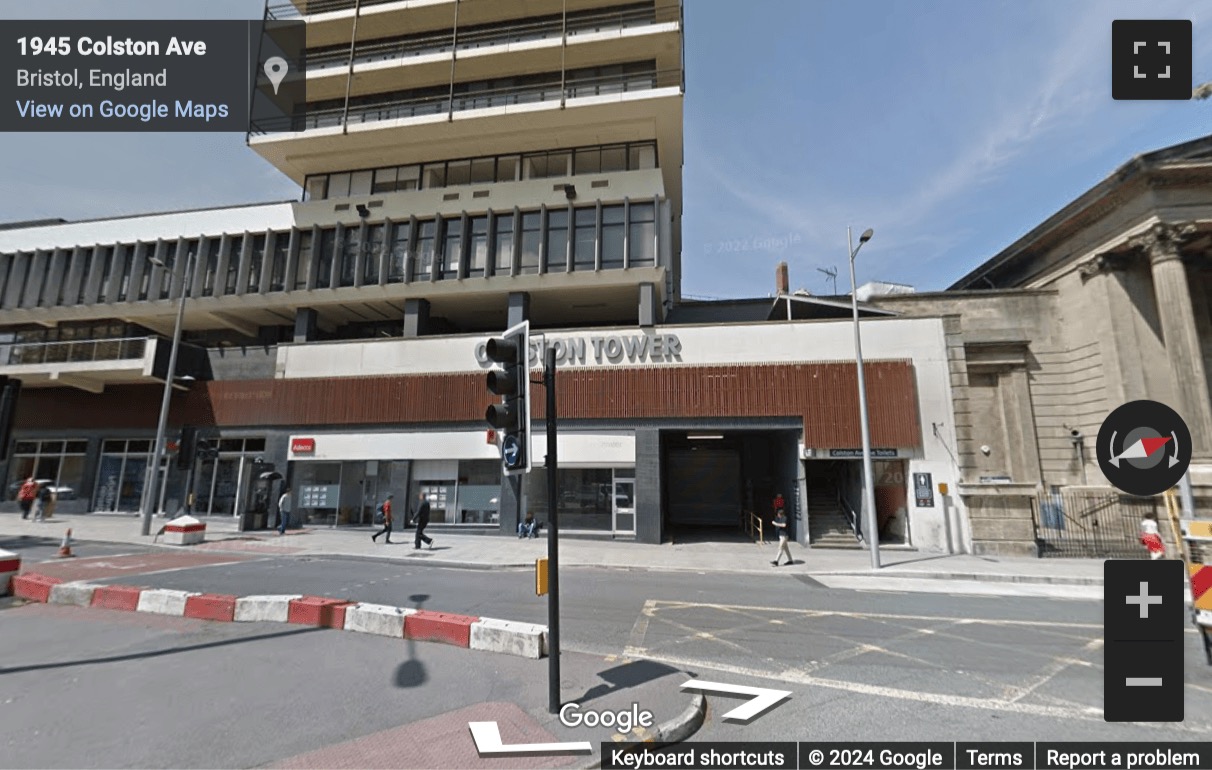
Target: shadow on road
pixel 412 673
pixel 631 674
pixel 153 653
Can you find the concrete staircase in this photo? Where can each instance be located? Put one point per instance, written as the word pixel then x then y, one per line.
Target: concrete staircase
pixel 828 526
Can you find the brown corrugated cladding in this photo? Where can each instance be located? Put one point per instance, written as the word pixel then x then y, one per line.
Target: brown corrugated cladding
pixel 824 395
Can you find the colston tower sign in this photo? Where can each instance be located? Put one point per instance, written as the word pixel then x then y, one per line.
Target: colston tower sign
pixel 605 350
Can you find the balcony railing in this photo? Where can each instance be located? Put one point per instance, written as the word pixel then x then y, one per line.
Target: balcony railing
pixel 288 10
pixel 74 351
pixel 500 97
pixel 504 34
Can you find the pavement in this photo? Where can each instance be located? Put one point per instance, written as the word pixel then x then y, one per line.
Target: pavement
pixel 843 568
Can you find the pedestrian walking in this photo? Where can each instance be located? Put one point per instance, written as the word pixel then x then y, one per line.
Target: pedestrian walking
pixel 26 496
pixel 422 519
pixel 41 498
pixel 780 526
pixel 1150 537
pixel 384 509
pixel 283 512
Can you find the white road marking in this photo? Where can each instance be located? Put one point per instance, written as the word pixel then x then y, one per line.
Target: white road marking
pixel 1015 694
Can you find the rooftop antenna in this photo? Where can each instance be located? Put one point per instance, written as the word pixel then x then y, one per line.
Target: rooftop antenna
pixel 831 274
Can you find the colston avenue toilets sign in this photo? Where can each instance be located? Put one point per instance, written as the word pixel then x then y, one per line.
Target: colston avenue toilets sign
pixel 606 349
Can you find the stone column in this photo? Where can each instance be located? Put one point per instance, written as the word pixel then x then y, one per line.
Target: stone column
pixel 1163 245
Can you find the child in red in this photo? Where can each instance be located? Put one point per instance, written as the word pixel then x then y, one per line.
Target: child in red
pixel 1150 538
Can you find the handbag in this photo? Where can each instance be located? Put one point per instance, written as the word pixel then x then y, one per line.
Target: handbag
pixel 380 517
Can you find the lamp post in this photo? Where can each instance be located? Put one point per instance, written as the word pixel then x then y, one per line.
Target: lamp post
pixel 149 483
pixel 870 524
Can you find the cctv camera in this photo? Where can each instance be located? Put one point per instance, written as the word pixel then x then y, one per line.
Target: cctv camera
pixel 1075 433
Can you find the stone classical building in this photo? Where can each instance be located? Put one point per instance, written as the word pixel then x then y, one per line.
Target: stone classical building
pixel 1103 303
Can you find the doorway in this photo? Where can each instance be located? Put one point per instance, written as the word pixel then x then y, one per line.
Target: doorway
pixel 624 505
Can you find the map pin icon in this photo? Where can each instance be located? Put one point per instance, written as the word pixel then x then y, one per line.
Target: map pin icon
pixel 275 70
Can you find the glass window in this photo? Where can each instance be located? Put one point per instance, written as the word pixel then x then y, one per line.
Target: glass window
pixel 586 496
pixel 370 261
pixel 507 168
pixel 614 159
pixel 303 264
pixel 385 180
pixel 210 266
pixel 458 172
pixel 338 186
pixel 643 235
pixel 277 274
pixel 255 262
pixel 452 248
pixel 328 245
pixel 503 248
pixel 477 251
pixel 641 156
pixel 482 170
pixel 408 178
pixel 399 250
pixel 535 166
pixel 316 187
pixel 588 161
pixel 585 241
pixel 434 175
pixel 558 163
pixel 532 224
pixel 557 241
pixel 360 182
pixel 233 264
pixel 350 244
pixel 612 237
pixel 423 264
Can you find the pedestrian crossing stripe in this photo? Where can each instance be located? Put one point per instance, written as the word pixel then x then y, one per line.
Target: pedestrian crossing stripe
pixel 1201 582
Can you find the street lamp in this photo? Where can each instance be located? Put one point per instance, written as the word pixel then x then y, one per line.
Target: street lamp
pixel 149 482
pixel 870 525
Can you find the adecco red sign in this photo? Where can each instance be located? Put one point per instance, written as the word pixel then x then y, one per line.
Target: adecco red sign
pixel 303 445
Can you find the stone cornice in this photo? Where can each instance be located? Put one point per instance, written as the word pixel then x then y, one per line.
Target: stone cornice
pixel 1163 241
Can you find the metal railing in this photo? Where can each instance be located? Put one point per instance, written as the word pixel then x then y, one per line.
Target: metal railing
pixel 499 97
pixel 851 516
pixel 504 34
pixel 288 10
pixel 1091 523
pixel 753 525
pixel 74 351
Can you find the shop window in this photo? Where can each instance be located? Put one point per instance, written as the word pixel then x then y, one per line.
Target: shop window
pixel 59 462
pixel 585 497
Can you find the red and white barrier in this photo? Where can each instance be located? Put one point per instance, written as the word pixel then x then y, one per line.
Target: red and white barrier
pixel 184 530
pixel 526 640
pixel 10 566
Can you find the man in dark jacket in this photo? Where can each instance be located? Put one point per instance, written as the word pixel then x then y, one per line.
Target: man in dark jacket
pixel 422 521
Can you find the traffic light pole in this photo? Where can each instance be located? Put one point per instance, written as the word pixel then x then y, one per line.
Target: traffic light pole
pixel 553 549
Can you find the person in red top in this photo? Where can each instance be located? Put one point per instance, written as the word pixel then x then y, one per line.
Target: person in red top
pixel 26 496
pixel 386 508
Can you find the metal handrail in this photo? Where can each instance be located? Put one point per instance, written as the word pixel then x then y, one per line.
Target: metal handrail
pixel 753 523
pixel 442 42
pixel 472 100
pixel 851 515
pixel 76 351
pixel 288 10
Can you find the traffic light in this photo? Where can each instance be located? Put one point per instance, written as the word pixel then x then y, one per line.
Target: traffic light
pixel 512 415
pixel 186 448
pixel 9 391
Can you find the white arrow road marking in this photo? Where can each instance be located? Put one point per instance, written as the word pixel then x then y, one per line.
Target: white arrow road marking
pixel 762 698
pixel 488 741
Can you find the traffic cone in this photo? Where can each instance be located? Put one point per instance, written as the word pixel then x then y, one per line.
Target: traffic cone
pixel 65 549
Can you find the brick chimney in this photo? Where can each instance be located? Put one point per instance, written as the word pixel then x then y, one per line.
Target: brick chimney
pixel 782 283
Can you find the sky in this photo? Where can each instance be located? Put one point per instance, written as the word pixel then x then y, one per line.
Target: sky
pixel 949 127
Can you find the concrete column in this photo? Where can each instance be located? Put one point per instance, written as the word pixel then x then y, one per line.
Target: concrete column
pixel 200 262
pixel 15 281
pixel 292 260
pixel 268 259
pixel 649 524
pixel 75 274
pixel 178 265
pixel 650 309
pixel 92 277
pixel 138 266
pixel 306 322
pixel 1162 244
pixel 116 273
pixel 416 317
pixel 361 255
pixel 519 308
pixel 225 256
pixel 244 264
pixel 384 255
pixel 37 273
